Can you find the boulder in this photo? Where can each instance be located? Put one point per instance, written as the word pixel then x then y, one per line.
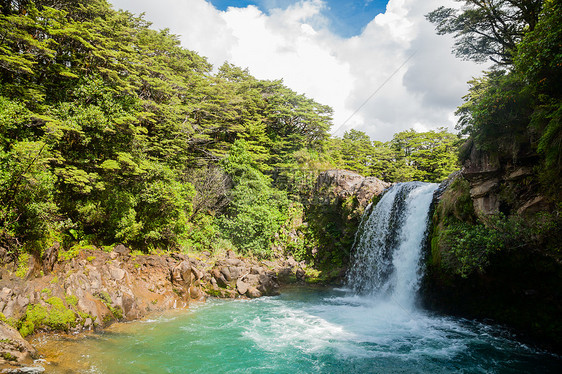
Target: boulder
pixel 13 348
pixel 242 286
pixel 341 184
pixel 181 274
pixel 253 293
pixel 120 249
pixel 300 274
pixel 116 273
pixel 219 278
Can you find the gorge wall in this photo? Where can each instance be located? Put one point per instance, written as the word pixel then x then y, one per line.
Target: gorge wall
pixel 494 247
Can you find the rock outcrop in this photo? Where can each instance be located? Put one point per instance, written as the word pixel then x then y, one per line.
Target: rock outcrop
pixel 506 186
pixel 15 352
pixel 490 255
pixel 342 184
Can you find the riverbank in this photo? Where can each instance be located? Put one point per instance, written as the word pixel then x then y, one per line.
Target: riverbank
pixel 88 289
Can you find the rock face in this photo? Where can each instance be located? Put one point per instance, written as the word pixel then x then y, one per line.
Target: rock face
pixel 342 184
pixel 503 185
pixel 332 216
pixel 510 270
pixel 99 287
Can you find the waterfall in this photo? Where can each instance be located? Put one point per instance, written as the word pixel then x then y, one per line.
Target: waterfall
pixel 387 252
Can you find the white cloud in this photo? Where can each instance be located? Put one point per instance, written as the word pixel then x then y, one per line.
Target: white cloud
pixel 296 45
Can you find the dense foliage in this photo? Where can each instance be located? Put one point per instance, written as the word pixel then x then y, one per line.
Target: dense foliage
pixel 107 127
pixel 487 29
pixel 111 132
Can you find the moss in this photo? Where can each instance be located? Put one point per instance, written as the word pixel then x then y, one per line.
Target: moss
pixel 10 321
pixel 23 265
pixel 59 317
pixel 71 300
pixel 55 280
pixel 104 297
pixel 91 258
pixel 212 292
pixel 27 328
pixel 8 356
pixel 107 248
pixel 117 312
pixel 313 276
pixel 55 316
pixel 69 254
pixel 46 291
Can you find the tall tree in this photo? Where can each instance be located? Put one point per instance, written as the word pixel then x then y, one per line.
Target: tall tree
pixel 487 29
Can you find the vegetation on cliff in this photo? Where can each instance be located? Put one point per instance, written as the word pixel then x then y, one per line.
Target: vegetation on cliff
pixel 495 243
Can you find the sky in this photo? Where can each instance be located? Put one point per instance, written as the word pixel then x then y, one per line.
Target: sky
pixel 378 63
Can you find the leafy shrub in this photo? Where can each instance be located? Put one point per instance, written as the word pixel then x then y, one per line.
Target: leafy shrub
pixel 472 246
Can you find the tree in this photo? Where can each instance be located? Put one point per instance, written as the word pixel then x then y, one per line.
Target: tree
pixel 256 211
pixel 539 59
pixel 357 151
pixel 487 29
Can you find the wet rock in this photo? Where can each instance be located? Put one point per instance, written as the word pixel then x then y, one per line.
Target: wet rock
pixel 300 274
pixel 181 274
pixel 25 370
pixel 284 274
pixel 195 292
pixel 268 284
pixel 219 278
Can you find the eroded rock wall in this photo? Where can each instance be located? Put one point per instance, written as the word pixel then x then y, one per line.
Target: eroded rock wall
pixel 95 288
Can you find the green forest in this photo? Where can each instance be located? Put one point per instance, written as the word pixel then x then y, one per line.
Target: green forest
pixel 111 132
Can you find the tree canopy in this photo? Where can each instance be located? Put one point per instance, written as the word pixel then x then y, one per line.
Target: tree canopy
pixel 487 29
pixel 112 132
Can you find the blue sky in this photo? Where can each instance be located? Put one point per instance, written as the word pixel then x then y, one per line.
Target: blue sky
pixel 346 17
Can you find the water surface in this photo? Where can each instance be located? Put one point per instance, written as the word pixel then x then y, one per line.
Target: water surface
pixel 302 331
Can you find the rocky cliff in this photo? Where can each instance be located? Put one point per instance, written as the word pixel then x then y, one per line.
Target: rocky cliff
pixel 494 248
pixel 332 216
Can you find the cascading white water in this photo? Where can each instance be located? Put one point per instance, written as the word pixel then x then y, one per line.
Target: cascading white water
pixel 387 251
